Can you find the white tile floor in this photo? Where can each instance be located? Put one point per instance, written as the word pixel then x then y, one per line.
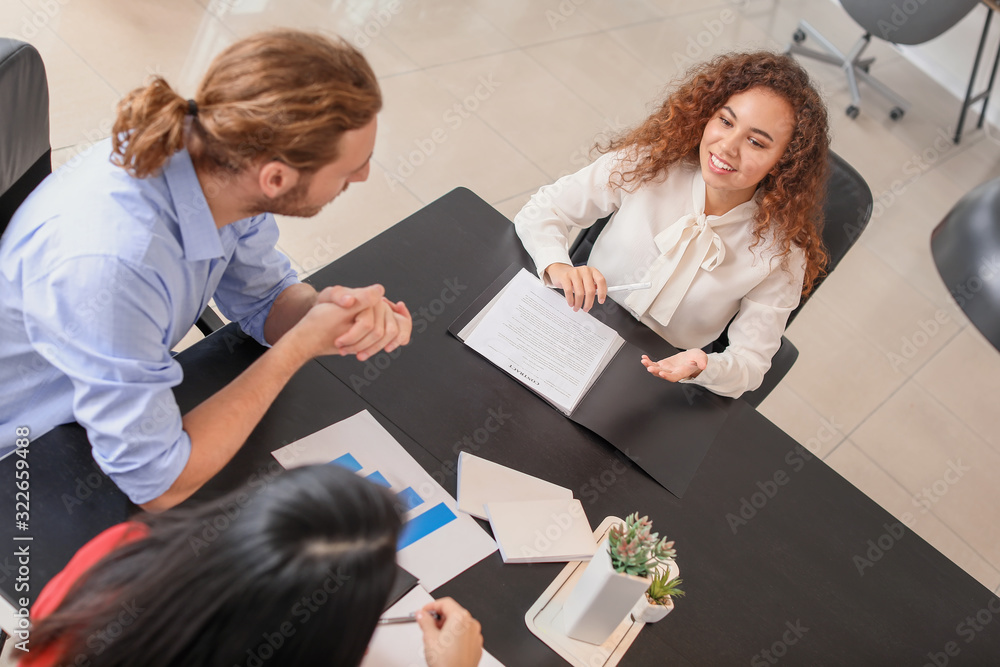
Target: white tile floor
pixel 890 400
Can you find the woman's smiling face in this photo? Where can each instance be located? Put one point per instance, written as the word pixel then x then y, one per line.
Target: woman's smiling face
pixel 741 144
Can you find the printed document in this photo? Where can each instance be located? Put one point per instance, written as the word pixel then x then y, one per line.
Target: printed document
pixel 437 542
pixel 529 331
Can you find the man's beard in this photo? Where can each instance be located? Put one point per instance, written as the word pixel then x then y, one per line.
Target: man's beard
pixel 292 203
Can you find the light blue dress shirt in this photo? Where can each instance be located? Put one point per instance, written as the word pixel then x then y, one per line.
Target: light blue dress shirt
pixel 101 274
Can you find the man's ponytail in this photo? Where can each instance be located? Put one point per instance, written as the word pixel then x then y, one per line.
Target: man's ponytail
pixel 149 128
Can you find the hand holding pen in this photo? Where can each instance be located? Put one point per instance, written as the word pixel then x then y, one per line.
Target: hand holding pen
pixel 452 638
pixel 583 284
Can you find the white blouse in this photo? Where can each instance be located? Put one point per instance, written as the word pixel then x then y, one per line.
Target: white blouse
pixel 701 267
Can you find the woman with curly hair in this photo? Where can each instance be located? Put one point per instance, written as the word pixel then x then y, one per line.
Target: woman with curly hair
pixel 716 201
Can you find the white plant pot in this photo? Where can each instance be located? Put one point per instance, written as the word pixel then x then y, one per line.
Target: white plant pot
pixel 601 599
pixel 650 612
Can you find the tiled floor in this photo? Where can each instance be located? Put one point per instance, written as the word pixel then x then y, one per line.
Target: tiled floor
pixel 893 387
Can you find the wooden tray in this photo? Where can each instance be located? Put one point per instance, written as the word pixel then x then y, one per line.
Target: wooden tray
pixel 544 618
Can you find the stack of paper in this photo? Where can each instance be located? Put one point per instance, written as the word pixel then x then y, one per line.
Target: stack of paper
pixel 528 330
pixel 481 481
pixel 541 531
pixel 533 521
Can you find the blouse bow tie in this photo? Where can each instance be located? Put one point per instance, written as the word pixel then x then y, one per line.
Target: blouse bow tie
pixel 685 247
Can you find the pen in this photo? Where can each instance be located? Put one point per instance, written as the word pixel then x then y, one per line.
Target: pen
pixel 633 286
pixel 409 618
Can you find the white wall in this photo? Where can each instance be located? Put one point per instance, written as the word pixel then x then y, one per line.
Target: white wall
pixel 948 60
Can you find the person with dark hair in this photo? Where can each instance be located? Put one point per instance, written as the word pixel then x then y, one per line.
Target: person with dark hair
pixel 108 263
pixel 294 573
pixel 716 201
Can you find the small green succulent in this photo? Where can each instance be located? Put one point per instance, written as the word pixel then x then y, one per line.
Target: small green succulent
pixel 634 549
pixel 663 588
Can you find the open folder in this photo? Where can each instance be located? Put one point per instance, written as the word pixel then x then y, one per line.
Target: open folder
pixel 587 371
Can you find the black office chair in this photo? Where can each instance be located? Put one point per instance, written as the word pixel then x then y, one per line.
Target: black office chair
pixel 25 152
pixel 846 212
pixel 892 20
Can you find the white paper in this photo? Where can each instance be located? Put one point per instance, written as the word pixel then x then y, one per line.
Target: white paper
pixel 532 334
pixel 402 644
pixel 434 559
pixel 542 531
pixel 481 481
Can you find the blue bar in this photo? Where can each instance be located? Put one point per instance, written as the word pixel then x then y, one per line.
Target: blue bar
pixel 421 526
pixel 347 461
pixel 379 479
pixel 408 499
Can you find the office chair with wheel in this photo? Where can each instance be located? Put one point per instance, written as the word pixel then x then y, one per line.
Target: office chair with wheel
pixel 25 151
pixel 892 20
pixel 846 212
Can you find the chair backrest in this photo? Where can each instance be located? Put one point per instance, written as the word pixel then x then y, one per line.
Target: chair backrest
pixel 25 152
pixel 846 212
pixel 907 22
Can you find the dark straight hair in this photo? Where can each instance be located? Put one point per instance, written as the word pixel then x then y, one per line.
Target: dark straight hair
pixel 295 573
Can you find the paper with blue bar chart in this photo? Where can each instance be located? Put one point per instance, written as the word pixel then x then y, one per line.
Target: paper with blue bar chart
pixel 437 542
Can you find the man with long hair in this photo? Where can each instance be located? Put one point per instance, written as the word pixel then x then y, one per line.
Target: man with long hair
pixel 109 263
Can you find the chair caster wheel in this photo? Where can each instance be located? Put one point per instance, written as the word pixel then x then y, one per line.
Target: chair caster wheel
pixel 799 36
pixel 852 112
pixel 896 113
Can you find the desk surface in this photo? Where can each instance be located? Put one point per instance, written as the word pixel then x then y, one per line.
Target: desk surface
pixel 769 538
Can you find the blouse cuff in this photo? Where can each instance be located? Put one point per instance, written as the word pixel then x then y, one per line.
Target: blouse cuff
pixel 548 256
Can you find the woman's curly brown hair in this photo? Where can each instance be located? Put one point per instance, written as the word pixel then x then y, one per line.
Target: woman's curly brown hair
pixel 790 197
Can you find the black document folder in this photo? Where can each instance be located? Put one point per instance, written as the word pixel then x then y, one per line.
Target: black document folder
pixel 665 428
pixel 401 585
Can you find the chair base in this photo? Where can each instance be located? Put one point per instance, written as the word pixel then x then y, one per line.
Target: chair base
pixel 853 64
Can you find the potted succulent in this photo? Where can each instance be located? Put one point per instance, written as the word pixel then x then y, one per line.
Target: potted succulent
pixel 658 600
pixel 615 579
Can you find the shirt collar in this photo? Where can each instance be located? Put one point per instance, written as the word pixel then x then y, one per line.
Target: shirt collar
pixel 199 235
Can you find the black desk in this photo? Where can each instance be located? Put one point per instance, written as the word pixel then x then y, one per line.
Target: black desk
pixel 792 563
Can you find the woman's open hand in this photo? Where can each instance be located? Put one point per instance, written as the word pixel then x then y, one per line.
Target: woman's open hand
pixel 687 364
